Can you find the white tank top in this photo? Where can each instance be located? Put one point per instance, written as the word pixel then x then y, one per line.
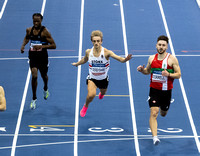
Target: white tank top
pixel 98 66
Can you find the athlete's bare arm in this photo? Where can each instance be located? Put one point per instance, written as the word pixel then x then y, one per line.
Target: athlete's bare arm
pixel 174 63
pixel 83 60
pixel 109 53
pixel 26 39
pixel 146 70
pixel 49 38
pixel 2 99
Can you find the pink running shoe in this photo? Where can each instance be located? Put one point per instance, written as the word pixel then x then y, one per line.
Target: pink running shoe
pixel 83 111
pixel 101 96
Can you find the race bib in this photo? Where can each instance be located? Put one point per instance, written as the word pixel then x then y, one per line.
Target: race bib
pixel 35 43
pixel 157 77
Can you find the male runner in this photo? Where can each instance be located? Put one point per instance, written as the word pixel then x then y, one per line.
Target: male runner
pixel 164 68
pixel 99 63
pixel 40 41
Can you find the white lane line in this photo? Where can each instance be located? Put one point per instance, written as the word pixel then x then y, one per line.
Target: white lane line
pixel 23 102
pixel 20 114
pixel 100 140
pixel 180 80
pixel 43 7
pixel 3 8
pixel 129 80
pixel 198 2
pixel 99 135
pixel 78 82
pixel 71 57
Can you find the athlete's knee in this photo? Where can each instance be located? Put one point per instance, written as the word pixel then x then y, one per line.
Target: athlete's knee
pixel 163 113
pixel 2 102
pixel 3 107
pixel 34 75
pixel 154 112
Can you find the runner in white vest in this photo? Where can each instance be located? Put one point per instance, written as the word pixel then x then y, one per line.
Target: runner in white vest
pixel 99 63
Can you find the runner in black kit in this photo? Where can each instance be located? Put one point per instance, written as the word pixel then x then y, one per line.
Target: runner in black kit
pixel 40 41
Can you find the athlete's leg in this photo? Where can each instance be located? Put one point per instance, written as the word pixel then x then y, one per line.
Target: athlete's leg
pixel 153 120
pixel 91 92
pixel 34 72
pixel 44 76
pixel 91 87
pixel 103 91
pixel 163 113
pixel 2 99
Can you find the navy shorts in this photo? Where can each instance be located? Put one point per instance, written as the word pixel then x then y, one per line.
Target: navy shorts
pixel 160 98
pixel 39 61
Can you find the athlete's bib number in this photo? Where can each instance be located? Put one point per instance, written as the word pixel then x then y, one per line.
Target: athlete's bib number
pixel 159 78
pixel 34 44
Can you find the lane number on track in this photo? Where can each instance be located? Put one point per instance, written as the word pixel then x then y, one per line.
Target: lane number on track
pixel 45 129
pixel 100 130
pixel 3 129
pixel 168 130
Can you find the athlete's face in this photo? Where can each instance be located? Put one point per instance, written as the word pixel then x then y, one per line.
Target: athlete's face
pixel 37 21
pixel 161 46
pixel 96 40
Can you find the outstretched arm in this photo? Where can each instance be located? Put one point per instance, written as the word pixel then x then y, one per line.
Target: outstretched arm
pixel 117 57
pixel 83 60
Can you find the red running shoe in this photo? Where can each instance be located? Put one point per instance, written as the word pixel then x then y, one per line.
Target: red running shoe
pixel 101 96
pixel 83 111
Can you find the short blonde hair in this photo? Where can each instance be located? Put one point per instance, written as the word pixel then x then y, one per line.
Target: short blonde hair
pixel 97 33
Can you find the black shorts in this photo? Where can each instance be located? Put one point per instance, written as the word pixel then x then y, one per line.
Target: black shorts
pixel 101 84
pixel 39 61
pixel 160 98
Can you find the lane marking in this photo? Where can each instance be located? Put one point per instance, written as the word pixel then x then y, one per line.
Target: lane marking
pixel 3 8
pixel 73 50
pixel 20 113
pixel 98 140
pixel 72 57
pixel 180 80
pixel 23 102
pixel 98 135
pixel 129 80
pixel 116 95
pixel 35 126
pixel 198 2
pixel 78 81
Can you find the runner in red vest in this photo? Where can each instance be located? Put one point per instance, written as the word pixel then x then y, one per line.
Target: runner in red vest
pixel 164 68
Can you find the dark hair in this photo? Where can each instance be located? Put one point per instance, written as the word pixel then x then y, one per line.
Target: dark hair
pixel 37 14
pixel 163 37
